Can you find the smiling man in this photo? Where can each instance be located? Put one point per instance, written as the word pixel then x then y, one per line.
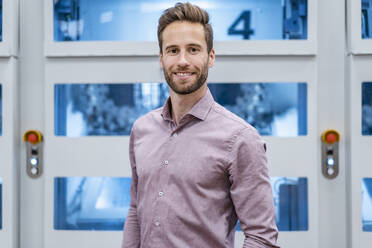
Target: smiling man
pixel 196 167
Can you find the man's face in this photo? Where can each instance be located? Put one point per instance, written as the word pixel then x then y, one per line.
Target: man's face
pixel 185 59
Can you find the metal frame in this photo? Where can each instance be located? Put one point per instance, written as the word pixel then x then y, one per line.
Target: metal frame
pixel 9 44
pixel 359 62
pixel 119 70
pixel 8 148
pixel 360 150
pixel 117 64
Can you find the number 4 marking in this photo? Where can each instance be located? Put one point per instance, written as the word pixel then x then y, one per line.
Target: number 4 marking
pixel 244 17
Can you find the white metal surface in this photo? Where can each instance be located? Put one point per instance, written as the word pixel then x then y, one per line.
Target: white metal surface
pixel 359 146
pixel 31 68
pixel 9 44
pixel 322 68
pixel 331 106
pixel 9 153
pixel 76 156
pixel 360 150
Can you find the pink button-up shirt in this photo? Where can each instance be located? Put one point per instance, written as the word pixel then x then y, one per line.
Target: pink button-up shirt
pixel 191 182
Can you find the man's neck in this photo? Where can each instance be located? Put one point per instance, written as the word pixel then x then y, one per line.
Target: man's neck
pixel 181 104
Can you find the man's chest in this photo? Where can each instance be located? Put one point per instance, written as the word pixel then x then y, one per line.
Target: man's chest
pixel 186 159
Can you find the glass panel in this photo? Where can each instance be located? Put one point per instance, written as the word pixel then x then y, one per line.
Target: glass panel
pixel 367 204
pixel 1 203
pixel 91 203
pixel 102 203
pixel 276 109
pixel 366 19
pixel 291 203
pixel 1 111
pixel 104 109
pixel 367 108
pixel 136 20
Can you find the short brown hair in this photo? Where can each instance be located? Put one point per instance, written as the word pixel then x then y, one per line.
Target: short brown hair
pixel 189 13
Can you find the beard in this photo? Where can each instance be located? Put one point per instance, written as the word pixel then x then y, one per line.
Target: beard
pixel 194 86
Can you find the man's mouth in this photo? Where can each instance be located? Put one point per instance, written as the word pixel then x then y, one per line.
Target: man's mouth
pixel 183 75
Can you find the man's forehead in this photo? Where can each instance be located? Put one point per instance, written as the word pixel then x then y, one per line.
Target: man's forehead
pixel 183 32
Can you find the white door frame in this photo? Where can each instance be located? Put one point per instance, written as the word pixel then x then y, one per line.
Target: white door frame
pixel 327 61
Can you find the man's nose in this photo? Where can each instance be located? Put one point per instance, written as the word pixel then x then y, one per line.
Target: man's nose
pixel 183 59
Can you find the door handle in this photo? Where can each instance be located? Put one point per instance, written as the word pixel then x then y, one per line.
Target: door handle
pixel 330 153
pixel 34 150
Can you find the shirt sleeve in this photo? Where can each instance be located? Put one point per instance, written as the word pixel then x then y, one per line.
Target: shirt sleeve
pixel 131 234
pixel 251 191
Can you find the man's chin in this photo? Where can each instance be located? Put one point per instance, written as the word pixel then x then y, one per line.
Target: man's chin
pixel 182 91
pixel 186 90
pixel 182 86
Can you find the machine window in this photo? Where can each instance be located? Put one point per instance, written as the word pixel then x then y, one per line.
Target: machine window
pixel 274 109
pixel 91 203
pixel 367 204
pixel 129 20
pixel 291 203
pixel 102 203
pixel 367 108
pixel 366 19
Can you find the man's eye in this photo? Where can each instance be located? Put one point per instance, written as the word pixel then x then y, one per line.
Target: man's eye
pixel 194 50
pixel 174 51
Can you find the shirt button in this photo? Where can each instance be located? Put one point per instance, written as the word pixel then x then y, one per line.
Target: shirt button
pixel 157 223
pixel 161 193
pixel 166 162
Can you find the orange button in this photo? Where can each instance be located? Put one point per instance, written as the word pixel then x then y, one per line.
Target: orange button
pixel 32 138
pixel 331 138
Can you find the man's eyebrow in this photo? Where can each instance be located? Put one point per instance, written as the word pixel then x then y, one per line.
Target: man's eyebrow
pixel 188 45
pixel 194 44
pixel 171 46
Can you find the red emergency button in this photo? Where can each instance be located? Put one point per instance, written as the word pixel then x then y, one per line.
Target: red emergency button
pixel 330 136
pixel 33 136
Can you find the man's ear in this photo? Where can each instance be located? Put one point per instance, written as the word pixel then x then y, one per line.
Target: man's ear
pixel 212 57
pixel 160 60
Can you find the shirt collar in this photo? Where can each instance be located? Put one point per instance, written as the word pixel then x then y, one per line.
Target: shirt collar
pixel 166 113
pixel 200 110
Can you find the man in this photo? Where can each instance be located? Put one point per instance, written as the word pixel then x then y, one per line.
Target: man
pixel 196 167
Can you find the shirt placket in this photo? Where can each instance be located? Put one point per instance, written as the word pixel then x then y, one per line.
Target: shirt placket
pixel 160 207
